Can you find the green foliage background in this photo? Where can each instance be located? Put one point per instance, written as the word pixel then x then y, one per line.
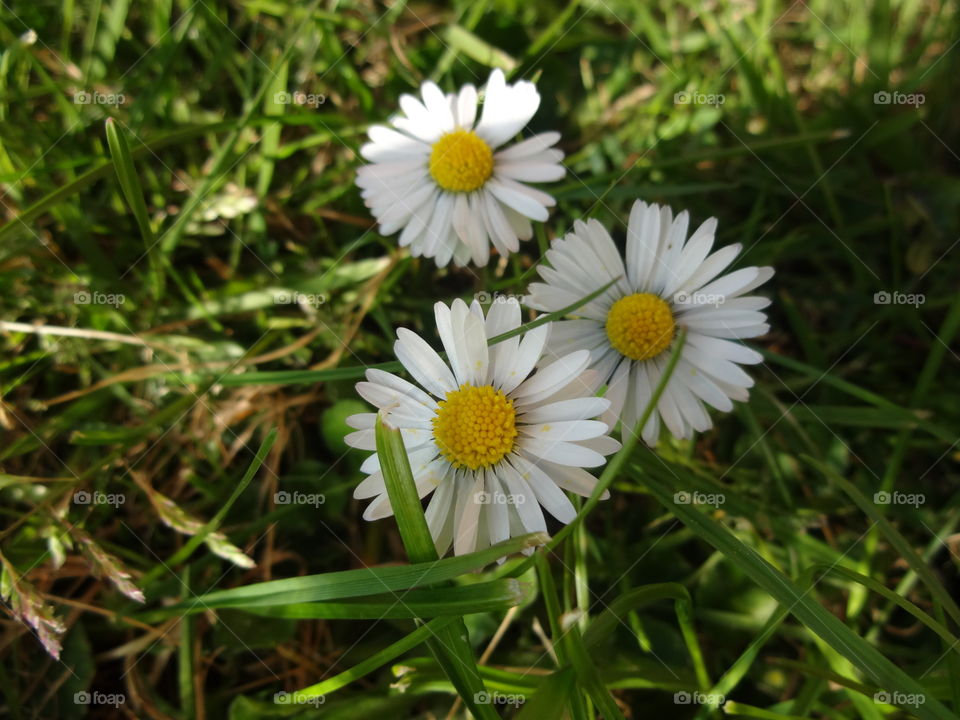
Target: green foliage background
pixel 166 383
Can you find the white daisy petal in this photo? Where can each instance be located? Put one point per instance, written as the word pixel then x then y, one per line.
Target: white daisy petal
pixel 551 378
pixel 561 453
pixel 530 146
pixel 506 109
pixel 565 430
pixel 498 520
pixel 423 363
pixel 523 500
pixel 528 353
pixel 468 520
pixel 581 408
pixel 546 490
pixel 523 204
pixel 572 479
pixel 467 107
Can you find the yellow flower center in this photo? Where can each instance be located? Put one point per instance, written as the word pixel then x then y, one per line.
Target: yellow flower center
pixel 640 326
pixel 475 427
pixel 460 161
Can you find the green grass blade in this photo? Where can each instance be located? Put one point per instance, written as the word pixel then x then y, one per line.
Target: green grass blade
pixel 377 660
pixel 348 583
pixel 495 596
pixel 813 616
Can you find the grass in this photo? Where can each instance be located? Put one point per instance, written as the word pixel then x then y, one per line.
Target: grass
pixel 155 398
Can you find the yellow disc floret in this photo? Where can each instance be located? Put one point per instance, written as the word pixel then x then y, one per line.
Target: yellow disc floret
pixel 640 326
pixel 475 427
pixel 460 161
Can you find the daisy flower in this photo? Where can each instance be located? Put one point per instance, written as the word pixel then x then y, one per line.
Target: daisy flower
pixel 669 282
pixel 491 439
pixel 445 180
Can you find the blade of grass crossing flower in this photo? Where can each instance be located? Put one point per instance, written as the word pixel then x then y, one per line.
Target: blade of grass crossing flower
pixel 810 613
pixel 303 377
pixel 449 645
pixel 550 317
pixel 614 465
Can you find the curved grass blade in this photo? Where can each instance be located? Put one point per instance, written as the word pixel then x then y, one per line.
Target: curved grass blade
pixel 133 192
pixel 809 612
pixel 898 541
pixel 494 596
pixel 377 660
pixel 346 583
